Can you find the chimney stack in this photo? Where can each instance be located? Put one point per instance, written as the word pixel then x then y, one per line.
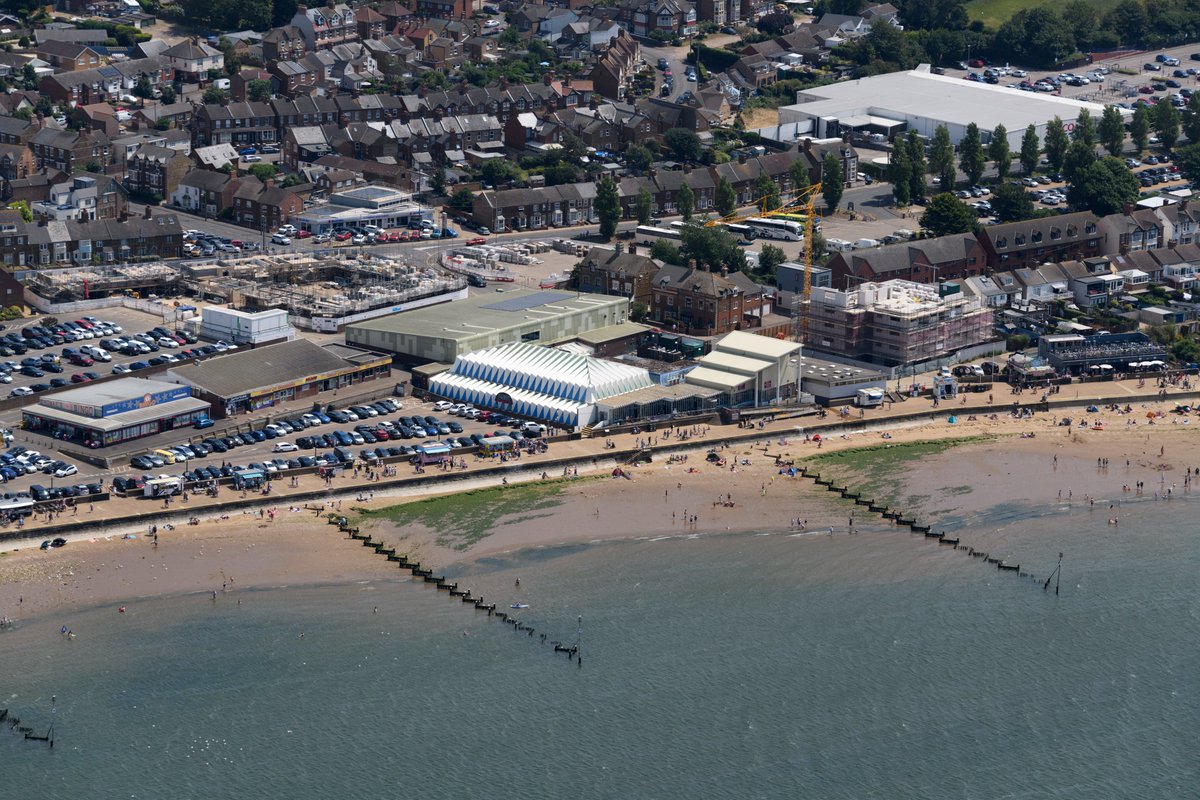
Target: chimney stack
pixel 620 248
pixel 148 214
pixel 724 271
pixel 691 263
pixel 632 249
pixel 808 145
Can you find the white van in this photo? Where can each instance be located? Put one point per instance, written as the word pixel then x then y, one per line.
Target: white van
pixel 865 244
pixel 837 246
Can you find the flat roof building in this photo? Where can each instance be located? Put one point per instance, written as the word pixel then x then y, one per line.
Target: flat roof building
pixel 919 100
pixel 749 369
pixel 445 332
pixel 382 206
pixel 114 411
pixel 249 380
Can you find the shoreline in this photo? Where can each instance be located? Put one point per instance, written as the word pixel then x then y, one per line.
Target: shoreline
pixel 297 548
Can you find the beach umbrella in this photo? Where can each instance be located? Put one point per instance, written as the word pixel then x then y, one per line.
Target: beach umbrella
pixel 1106 366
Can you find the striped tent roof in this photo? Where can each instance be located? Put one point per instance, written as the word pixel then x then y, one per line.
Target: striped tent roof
pixel 554 373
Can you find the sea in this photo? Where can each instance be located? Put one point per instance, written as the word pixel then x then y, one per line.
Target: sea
pixel 753 665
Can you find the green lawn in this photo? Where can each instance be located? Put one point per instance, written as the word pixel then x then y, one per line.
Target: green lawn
pixel 995 12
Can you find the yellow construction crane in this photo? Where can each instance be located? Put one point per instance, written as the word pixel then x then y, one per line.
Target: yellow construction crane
pixel 802 203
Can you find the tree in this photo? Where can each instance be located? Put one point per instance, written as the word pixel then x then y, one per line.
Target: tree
pixel 561 172
pixel 999 152
pixel 264 172
pixel 684 143
pixel 1079 157
pixel 462 200
pixel 1085 128
pixel 437 181
pixel 769 259
pixel 726 198
pixel 799 174
pixel 1191 119
pixel 23 207
pixel 499 171
pixel 1166 124
pixel 638 157
pixel 941 158
pixel 1112 131
pixel 1016 342
pixel 767 192
pixel 142 88
pixel 258 90
pixel 971 157
pixel 1037 36
pixel 946 214
pixel 1165 334
pixel 833 182
pixel 686 201
pixel 642 206
pixel 666 251
pixel 29 76
pixel 1128 21
pixel 1103 187
pixel 1056 143
pixel 1139 129
pixel 1011 203
pixel 713 247
pixel 1187 158
pixel 776 23
pixel 899 176
pixel 608 206
pixel 1030 148
pixel 916 167
pixel 168 95
pixel 638 311
pixel 213 96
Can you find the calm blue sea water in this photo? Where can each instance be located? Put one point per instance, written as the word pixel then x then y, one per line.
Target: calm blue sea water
pixel 729 666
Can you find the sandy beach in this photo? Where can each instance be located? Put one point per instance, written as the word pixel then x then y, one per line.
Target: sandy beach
pixel 1030 459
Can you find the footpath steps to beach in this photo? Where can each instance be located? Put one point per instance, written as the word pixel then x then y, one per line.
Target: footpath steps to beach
pixel 902 519
pixel 466 596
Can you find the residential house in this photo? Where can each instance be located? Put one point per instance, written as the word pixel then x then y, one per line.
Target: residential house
pixel 370 23
pixel 1179 221
pixel 616 68
pixel 479 49
pixel 372 171
pixel 68 56
pixel 395 13
pixel 283 44
pixel 192 60
pixel 84 197
pixel 1037 241
pixel 719 12
pixel 107 83
pixel 46 243
pixel 304 145
pixel 292 78
pixel 204 192
pixel 1133 229
pixel 590 33
pixel 544 22
pixel 215 156
pixel 239 84
pixel 448 9
pixel 921 261
pixel 156 171
pixel 98 117
pixel 325 26
pixel 177 115
pixel 521 209
pixel 14 130
pixel 240 124
pixel 70 151
pixel 16 161
pixel 336 180
pixel 698 302
pixel 617 272
pixel 264 206
pixel 672 17
pixel 86 36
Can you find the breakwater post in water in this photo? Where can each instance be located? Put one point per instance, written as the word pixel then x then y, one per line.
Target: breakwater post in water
pixel 901 519
pixel 427 576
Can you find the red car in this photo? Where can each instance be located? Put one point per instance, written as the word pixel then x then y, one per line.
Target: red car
pixel 394 236
pixel 303 234
pixel 342 236
pixel 79 377
pixel 414 236
pixel 477 240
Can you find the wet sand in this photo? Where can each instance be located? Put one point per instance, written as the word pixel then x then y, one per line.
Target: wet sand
pixel 297 548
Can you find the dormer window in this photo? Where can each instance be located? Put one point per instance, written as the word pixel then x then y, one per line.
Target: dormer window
pixel 1090 227
pixel 1056 233
pixel 1019 239
pixel 1002 242
pixel 1037 236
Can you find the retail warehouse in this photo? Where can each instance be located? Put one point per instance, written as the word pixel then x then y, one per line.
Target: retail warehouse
pixel 249 380
pixel 445 332
pixel 114 411
pixel 919 100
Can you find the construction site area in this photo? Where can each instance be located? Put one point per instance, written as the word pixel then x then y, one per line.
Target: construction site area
pixel 896 322
pixel 92 283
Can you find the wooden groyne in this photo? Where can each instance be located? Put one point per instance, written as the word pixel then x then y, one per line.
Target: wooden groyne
pixel 901 519
pixel 426 575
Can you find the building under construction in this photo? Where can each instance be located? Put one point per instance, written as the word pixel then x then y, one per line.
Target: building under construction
pixel 896 322
pixel 90 283
pixel 320 292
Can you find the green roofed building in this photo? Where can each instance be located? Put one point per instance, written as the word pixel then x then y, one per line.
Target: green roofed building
pixel 446 331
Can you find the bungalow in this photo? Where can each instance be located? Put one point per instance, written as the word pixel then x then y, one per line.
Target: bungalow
pixel 68 56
